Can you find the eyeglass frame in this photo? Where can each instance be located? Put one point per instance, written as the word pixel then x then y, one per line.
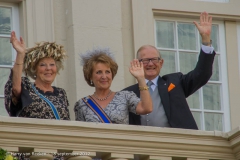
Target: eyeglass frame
pixel 149 59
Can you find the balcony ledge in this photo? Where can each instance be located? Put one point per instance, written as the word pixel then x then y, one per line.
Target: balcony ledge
pixel 38 135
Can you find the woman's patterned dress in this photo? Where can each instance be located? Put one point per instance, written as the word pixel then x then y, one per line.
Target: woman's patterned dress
pixel 117 110
pixel 30 105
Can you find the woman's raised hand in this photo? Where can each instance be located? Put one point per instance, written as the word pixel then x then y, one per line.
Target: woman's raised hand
pixel 136 69
pixel 18 45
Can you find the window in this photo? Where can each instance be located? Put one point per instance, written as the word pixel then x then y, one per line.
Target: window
pixel 179 43
pixel 8 22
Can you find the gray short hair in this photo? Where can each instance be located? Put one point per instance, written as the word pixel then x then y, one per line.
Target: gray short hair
pixel 147 46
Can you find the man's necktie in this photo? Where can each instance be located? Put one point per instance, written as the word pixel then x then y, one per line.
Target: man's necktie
pixel 149 84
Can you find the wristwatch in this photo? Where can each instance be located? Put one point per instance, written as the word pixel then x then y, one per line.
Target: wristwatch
pixel 207 43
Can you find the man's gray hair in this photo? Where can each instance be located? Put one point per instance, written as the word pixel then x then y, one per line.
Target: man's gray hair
pixel 147 46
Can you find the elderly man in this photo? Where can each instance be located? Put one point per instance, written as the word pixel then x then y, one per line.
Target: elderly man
pixel 169 92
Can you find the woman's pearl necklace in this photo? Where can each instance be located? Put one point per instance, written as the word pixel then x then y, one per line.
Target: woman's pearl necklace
pixel 102 99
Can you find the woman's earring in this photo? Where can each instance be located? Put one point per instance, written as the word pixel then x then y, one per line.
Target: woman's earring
pixel 34 76
pixel 91 82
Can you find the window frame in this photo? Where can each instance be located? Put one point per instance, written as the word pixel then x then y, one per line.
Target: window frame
pixel 15 25
pixel 224 95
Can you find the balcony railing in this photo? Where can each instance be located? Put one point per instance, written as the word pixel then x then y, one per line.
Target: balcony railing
pixel 73 140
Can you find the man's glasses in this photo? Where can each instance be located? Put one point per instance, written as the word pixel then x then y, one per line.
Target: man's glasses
pixel 147 60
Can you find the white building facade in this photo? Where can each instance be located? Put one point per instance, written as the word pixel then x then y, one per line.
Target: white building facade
pixel 123 26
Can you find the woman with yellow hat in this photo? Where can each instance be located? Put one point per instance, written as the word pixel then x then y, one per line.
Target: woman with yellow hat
pixel 38 99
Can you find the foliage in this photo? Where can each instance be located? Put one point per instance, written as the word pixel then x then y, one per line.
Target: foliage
pixel 4 155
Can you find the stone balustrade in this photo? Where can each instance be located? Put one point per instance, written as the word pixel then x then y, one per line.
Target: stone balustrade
pixel 72 140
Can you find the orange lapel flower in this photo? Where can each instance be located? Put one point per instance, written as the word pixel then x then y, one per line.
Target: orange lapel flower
pixel 170 87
